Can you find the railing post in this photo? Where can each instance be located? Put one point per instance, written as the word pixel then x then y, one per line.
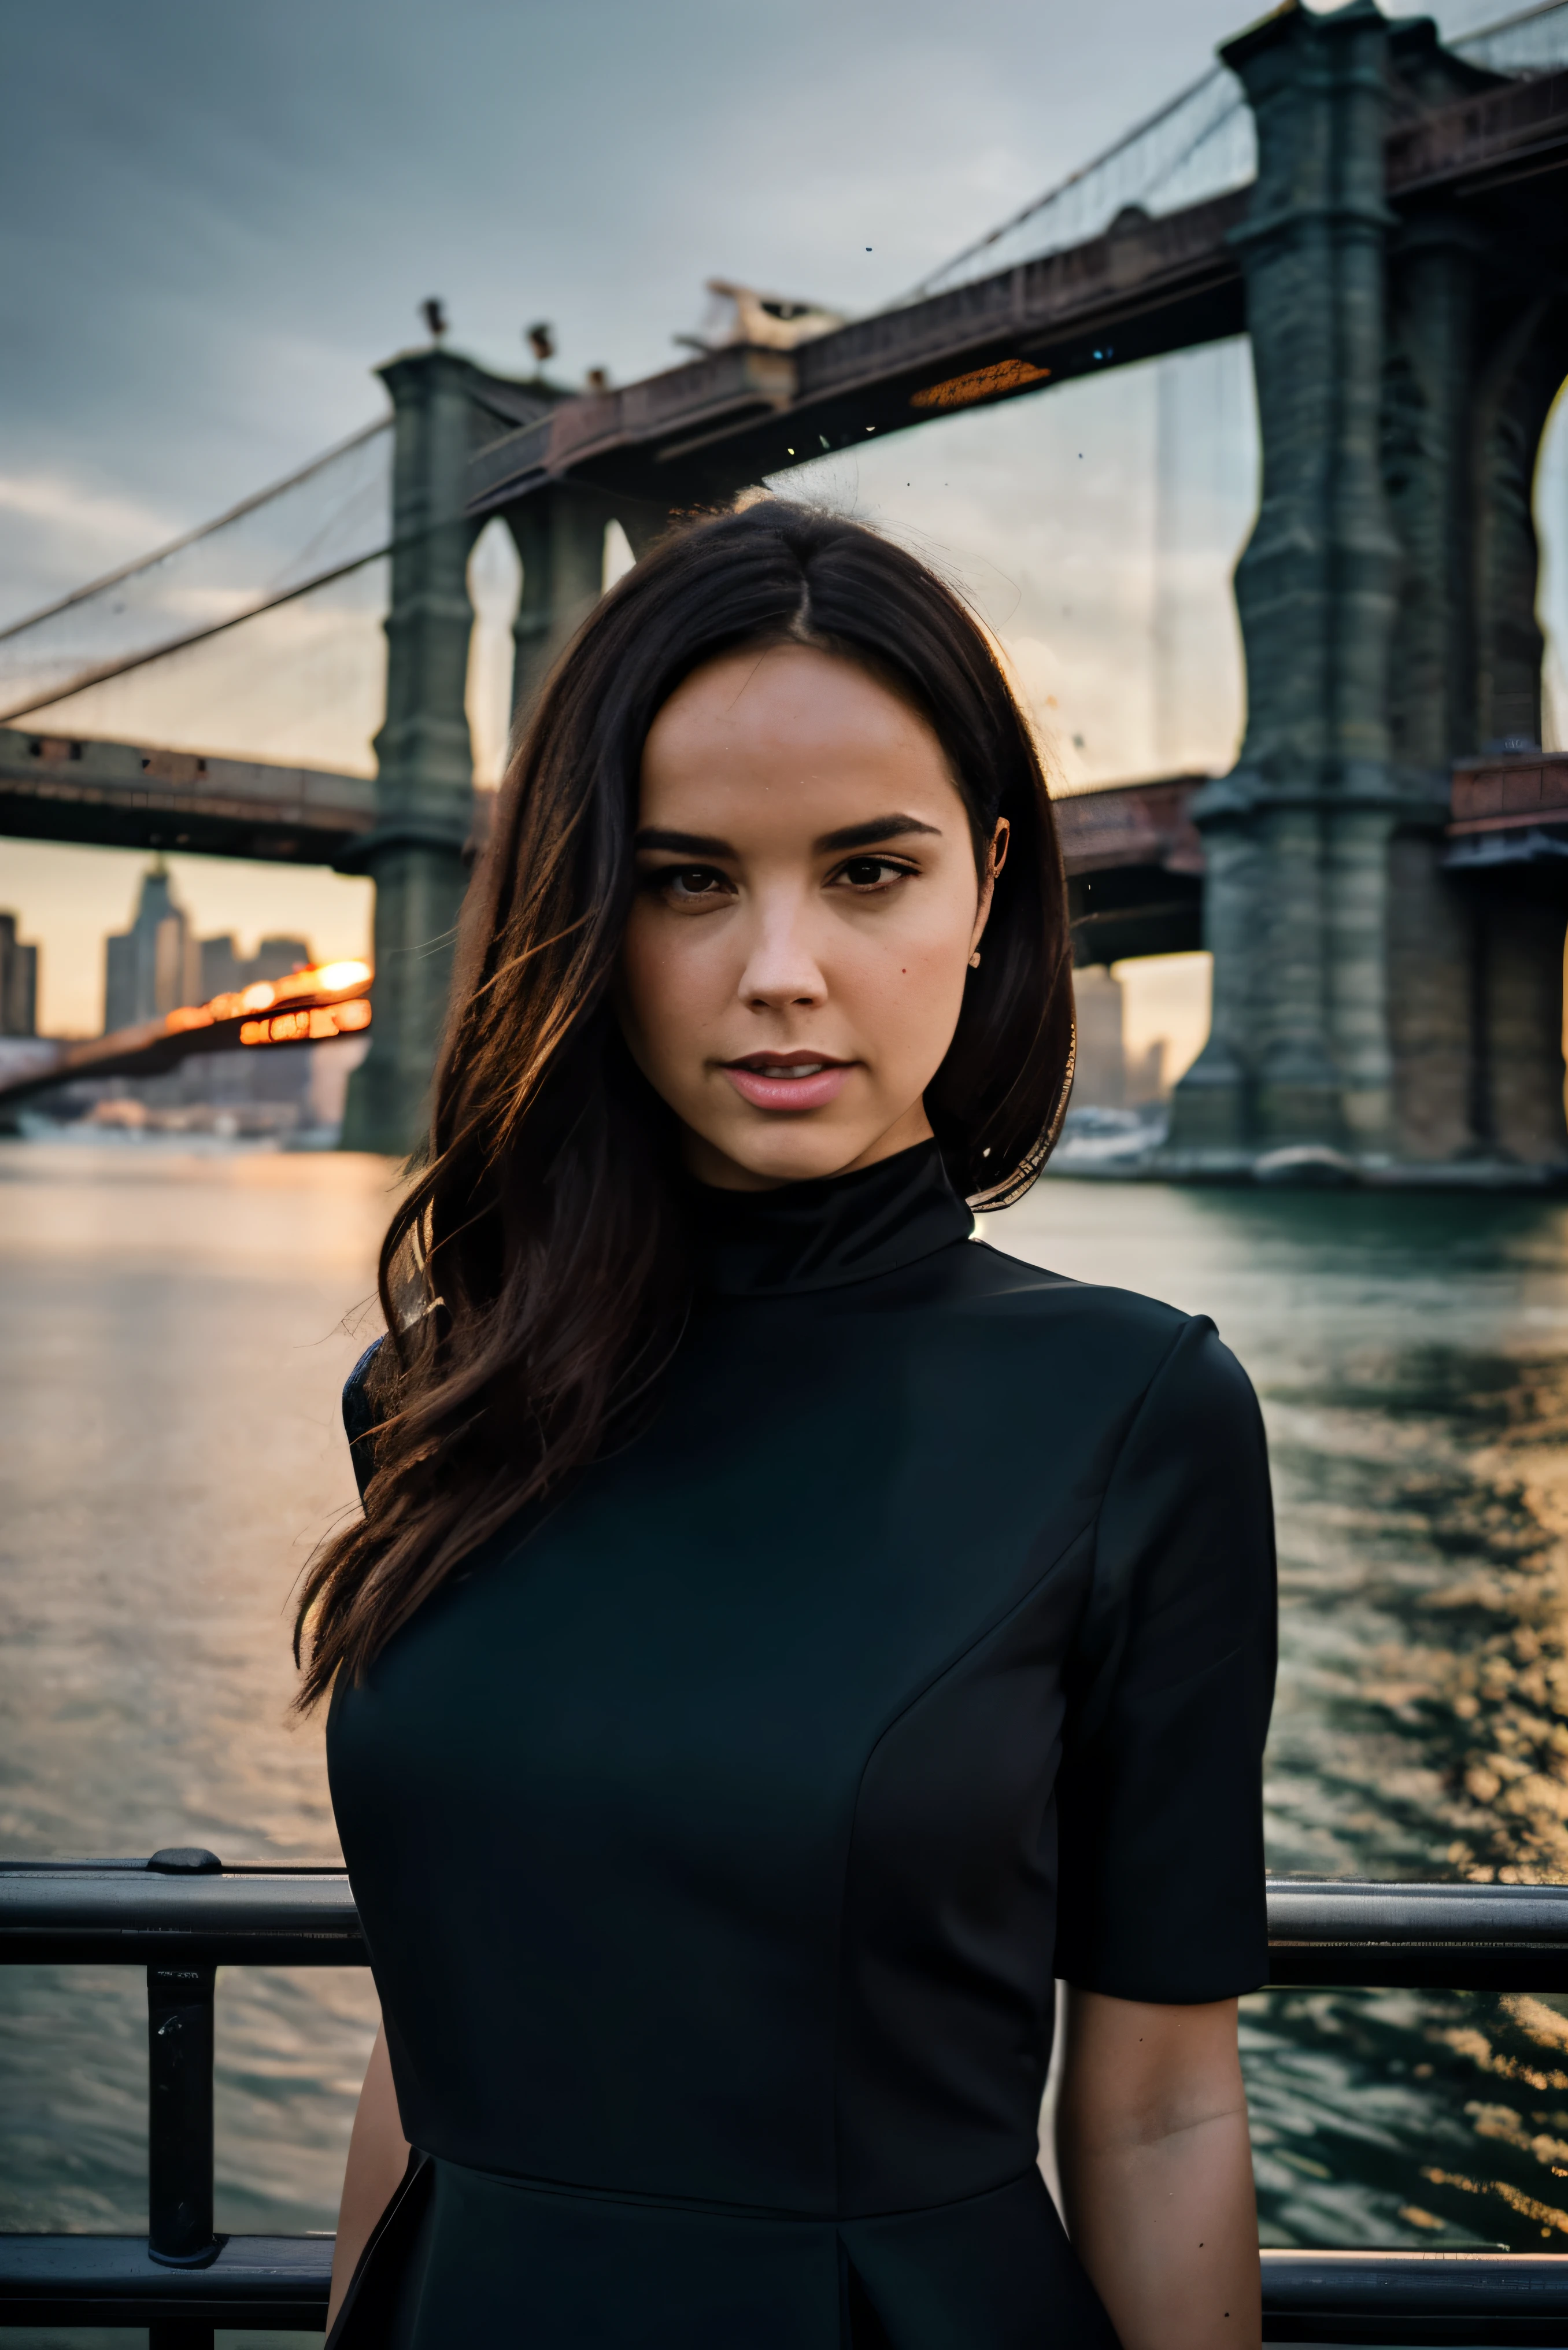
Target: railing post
pixel 179 2334
pixel 179 2115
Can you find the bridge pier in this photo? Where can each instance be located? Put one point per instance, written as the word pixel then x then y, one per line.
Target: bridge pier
pixel 1355 925
pixel 1476 357
pixel 424 759
pixel 1373 997
pixel 1517 384
pixel 418 850
pixel 1433 299
pixel 1296 837
pixel 559 534
pixel 1213 1110
pixel 560 540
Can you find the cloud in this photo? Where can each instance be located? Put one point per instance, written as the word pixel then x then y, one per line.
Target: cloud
pixel 107 523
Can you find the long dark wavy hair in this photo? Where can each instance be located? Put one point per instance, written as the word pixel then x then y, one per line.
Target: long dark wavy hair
pixel 535 1279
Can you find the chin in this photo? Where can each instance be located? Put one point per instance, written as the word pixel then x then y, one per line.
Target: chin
pixel 797 1153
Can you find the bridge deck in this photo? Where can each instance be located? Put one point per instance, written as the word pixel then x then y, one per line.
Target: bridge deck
pixel 130 796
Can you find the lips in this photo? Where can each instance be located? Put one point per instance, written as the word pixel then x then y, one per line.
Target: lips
pixel 787 1081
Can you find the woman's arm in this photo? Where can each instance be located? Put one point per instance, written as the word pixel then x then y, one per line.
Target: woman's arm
pixel 1157 2171
pixel 377 2158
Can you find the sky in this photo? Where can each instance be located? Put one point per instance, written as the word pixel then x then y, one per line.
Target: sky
pixel 216 220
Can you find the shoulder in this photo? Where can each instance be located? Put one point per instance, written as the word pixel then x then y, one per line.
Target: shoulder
pixel 1068 1363
pixel 1054 1312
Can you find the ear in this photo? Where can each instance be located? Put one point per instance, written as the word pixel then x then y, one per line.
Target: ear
pixel 995 858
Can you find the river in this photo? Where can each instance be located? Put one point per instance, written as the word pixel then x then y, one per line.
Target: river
pixel 174 1331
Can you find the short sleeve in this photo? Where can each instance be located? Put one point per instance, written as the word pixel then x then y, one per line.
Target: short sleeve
pixel 359 1418
pixel 1169 1689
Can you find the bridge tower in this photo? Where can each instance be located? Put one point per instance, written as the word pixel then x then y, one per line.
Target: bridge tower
pixel 1368 997
pixel 424 759
pixel 1476 349
pixel 560 534
pixel 1296 837
pixel 424 840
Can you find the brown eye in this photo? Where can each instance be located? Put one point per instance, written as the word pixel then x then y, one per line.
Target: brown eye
pixel 687 885
pixel 872 872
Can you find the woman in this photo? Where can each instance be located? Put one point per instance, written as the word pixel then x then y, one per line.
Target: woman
pixel 783 1636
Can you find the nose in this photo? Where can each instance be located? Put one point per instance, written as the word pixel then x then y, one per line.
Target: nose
pixel 780 967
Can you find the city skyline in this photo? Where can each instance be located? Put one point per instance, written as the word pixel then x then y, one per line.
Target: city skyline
pixel 84 895
pixel 159 962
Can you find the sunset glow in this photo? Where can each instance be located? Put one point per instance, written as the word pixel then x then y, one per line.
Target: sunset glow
pixel 349 980
pixel 316 1026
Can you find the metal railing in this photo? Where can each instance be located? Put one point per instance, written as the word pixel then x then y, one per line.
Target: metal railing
pixel 181 1914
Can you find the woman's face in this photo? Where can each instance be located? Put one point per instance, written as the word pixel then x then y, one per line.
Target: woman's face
pixel 807 905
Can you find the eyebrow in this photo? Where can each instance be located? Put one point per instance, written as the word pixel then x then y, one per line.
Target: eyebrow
pixel 870 836
pixel 684 844
pixel 850 836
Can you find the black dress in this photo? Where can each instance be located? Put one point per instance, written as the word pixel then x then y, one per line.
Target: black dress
pixel 718 1838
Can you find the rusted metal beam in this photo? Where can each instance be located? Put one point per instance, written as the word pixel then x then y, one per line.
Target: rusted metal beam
pixel 1508 793
pixel 1134 869
pixel 1481 141
pixel 1131 825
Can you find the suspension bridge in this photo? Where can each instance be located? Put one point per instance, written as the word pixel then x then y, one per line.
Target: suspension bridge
pixel 1381 877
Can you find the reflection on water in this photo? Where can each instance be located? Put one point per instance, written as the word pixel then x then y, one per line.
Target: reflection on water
pixel 1398 2117
pixel 175 1340
pixel 1412 1357
pixel 173 1344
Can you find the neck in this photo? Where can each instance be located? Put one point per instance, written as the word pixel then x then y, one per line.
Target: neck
pixel 823 1233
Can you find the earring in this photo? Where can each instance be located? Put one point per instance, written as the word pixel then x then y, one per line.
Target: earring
pixel 974 960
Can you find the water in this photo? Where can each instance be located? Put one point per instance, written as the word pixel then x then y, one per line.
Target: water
pixel 175 1329
pixel 173 1337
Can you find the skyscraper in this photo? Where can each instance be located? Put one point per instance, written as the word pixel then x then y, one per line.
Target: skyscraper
pixel 222 969
pixel 155 964
pixel 18 982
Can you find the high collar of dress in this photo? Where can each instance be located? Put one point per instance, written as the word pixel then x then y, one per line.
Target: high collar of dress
pixel 827 1233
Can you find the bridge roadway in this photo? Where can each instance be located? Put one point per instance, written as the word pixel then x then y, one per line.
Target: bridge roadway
pixel 308 1007
pixel 1134 858
pixel 1146 285
pixel 132 796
